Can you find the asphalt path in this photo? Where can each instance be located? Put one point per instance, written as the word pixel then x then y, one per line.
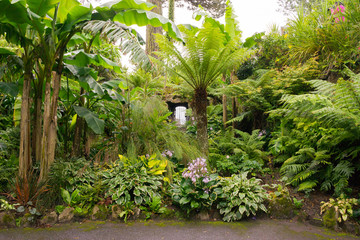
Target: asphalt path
pixel 174 230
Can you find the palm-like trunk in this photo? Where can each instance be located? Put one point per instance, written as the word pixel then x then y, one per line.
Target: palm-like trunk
pixel 172 10
pixel 25 138
pixel 36 142
pixel 79 128
pixel 151 45
pixel 50 121
pixel 200 104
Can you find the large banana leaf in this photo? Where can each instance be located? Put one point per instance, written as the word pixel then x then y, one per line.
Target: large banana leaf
pixel 96 124
pixel 41 7
pixel 81 59
pixel 130 12
pixel 143 18
pixel 5 51
pixel 86 75
pixel 125 5
pixel 13 12
pixel 129 41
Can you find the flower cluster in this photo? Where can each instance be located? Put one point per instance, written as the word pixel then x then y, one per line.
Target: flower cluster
pixel 167 153
pixel 262 133
pixel 197 169
pixel 336 11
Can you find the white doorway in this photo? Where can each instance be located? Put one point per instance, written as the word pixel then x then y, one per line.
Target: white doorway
pixel 180 115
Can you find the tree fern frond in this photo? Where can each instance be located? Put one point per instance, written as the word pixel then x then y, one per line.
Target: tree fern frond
pixel 239 118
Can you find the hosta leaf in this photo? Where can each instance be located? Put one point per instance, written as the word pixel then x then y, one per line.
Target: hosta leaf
pixel 184 200
pixel 194 204
pixel 242 209
pixel 138 200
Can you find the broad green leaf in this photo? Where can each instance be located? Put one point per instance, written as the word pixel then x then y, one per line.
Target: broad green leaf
pixel 9 88
pixel 81 59
pixel 64 8
pixel 5 51
pixel 17 111
pixel 86 75
pixel 136 192
pixel 96 124
pixel 41 7
pixel 138 200
pixel 73 122
pixel 77 14
pixel 13 13
pixel 143 18
pixel 75 196
pixel 184 200
pixel 194 204
pixel 66 196
pixel 242 209
pixel 108 10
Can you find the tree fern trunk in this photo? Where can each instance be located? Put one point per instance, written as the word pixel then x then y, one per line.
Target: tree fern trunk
pixel 234 101
pixel 224 102
pixel 200 104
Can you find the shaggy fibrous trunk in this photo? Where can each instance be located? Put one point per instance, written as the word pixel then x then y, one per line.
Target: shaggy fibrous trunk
pixel 200 104
pixel 224 102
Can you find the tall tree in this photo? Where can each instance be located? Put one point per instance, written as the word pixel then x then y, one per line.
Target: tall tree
pixel 215 7
pixel 206 55
pixel 151 45
pixel 289 7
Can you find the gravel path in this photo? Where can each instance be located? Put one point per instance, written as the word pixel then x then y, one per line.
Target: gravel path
pixel 172 230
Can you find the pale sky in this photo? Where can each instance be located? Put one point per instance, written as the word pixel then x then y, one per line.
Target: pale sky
pixel 253 16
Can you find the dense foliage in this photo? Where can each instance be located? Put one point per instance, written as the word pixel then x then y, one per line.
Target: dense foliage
pixel 97 139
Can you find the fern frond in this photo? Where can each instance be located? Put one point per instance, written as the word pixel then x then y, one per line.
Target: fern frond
pixel 307 185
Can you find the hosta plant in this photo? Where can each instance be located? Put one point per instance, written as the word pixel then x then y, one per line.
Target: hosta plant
pixel 240 196
pixel 342 206
pixel 132 184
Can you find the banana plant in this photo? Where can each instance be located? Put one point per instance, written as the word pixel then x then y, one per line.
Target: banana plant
pixel 43 29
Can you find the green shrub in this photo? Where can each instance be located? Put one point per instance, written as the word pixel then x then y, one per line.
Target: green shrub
pixel 343 207
pixel 133 183
pixel 194 192
pixel 240 196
